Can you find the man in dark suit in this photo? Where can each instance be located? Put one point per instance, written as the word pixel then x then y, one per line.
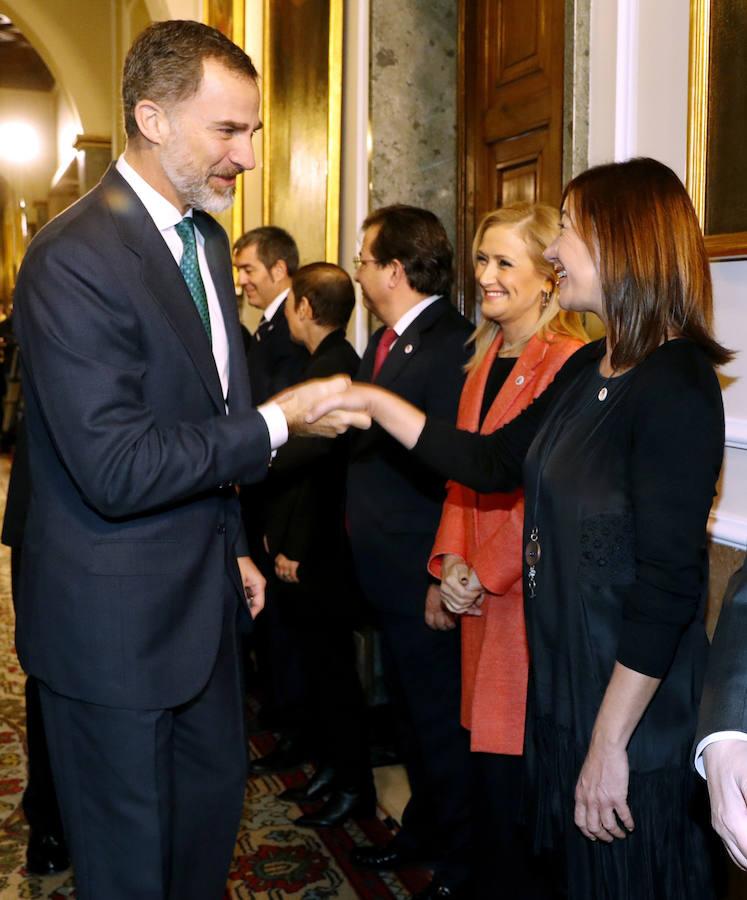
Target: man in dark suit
pixel 266 259
pixel 721 742
pixel 313 581
pixel 139 420
pixel 394 507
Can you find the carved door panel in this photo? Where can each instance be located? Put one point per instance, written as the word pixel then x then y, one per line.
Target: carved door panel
pixel 511 114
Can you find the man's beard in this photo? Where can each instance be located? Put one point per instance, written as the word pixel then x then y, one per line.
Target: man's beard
pixel 194 186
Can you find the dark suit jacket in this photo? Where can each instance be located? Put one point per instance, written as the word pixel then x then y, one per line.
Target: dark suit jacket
pixel 275 362
pixel 394 503
pixel 724 702
pixel 132 526
pixel 306 520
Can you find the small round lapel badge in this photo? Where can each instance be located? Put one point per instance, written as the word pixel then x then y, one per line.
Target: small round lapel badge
pixel 409 348
pixel 520 380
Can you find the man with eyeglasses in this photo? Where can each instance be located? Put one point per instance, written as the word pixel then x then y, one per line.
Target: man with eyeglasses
pixel 405 271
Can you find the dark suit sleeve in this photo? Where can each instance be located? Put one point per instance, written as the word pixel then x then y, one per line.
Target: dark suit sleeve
pixel 82 357
pixel 724 703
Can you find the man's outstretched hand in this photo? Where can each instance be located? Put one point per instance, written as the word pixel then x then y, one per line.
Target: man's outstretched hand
pixel 296 401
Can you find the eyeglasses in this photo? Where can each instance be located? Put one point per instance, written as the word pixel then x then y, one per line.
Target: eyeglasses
pixel 358 262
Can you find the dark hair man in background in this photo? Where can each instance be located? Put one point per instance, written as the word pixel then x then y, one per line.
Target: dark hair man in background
pixel 266 259
pixel 139 418
pixel 394 508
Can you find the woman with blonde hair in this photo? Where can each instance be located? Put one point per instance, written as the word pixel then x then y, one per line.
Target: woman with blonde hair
pixel 619 460
pixel 522 341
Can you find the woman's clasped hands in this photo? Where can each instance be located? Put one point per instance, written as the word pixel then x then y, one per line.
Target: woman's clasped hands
pixel 461 591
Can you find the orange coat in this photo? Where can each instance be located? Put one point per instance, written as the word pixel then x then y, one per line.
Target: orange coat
pixel 486 531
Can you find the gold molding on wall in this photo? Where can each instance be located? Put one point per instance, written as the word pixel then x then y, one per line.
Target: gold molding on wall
pixel 334 131
pixel 697 123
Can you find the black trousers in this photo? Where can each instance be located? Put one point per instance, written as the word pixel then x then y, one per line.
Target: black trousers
pixel 151 799
pixel 422 671
pixel 335 712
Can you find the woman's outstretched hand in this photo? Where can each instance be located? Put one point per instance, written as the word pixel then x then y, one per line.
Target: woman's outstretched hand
pixel 363 401
pixel 356 399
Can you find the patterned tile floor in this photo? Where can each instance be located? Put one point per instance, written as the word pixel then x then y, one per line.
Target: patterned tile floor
pixel 272 860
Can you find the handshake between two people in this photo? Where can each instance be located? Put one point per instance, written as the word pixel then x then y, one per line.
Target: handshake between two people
pixel 317 408
pixel 329 406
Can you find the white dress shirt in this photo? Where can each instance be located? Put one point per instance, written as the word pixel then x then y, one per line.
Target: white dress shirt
pixel 166 216
pixel 273 307
pixel 712 739
pixel 409 317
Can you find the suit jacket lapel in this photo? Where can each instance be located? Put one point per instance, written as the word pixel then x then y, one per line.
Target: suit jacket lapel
pixel 161 278
pixel 407 345
pixel 520 380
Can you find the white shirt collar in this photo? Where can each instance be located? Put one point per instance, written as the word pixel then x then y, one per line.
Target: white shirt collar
pixel 161 210
pixel 409 317
pixel 273 307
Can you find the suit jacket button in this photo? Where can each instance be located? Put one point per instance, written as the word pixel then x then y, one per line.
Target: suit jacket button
pixel 221 529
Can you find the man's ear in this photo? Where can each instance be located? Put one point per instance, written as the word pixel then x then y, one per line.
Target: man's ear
pixel 279 270
pixel 397 273
pixel 152 121
pixel 304 310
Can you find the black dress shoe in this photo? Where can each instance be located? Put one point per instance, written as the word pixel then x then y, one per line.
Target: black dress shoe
pixel 46 854
pixel 340 806
pixel 318 787
pixel 437 890
pixel 289 754
pixel 382 858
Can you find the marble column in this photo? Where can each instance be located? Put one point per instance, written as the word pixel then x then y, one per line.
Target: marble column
pixel 413 106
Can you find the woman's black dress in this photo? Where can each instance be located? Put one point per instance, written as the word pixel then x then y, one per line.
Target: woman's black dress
pixel 619 475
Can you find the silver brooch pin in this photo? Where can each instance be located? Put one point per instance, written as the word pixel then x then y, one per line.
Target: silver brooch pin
pixel 408 348
pixel 602 395
pixel 520 379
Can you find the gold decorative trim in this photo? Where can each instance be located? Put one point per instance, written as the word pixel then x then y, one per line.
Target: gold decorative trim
pixel 334 131
pixel 266 117
pixel 237 210
pixel 697 125
pixel 91 142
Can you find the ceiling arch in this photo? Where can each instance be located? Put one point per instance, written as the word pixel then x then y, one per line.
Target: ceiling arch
pixel 69 42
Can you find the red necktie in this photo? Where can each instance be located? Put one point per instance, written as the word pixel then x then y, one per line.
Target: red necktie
pixel 385 344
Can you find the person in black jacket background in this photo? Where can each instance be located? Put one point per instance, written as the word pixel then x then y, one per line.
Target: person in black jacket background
pixel 314 584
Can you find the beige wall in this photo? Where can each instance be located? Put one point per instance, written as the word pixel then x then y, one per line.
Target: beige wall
pixel 74 39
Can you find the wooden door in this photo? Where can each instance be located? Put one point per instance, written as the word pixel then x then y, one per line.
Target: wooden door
pixel 510 115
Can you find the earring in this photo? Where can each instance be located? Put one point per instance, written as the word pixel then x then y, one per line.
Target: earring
pixel 545 301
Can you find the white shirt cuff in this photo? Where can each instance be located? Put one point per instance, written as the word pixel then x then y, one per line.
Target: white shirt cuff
pixel 711 739
pixel 276 424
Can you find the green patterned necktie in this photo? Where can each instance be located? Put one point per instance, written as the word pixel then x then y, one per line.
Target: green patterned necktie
pixel 190 269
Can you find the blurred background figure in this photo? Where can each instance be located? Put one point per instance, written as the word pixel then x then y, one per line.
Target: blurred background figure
pixel 316 592
pixel 265 260
pixel 46 852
